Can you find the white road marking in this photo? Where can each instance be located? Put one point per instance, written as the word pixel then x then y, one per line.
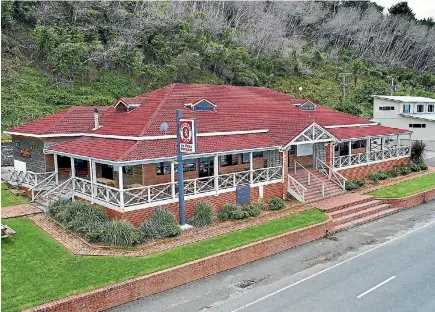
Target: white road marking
pixel 377 286
pixel 330 268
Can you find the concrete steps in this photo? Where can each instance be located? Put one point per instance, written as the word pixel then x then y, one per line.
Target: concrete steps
pixel 314 190
pixel 355 211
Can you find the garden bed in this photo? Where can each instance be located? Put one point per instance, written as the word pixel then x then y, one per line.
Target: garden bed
pixel 48 272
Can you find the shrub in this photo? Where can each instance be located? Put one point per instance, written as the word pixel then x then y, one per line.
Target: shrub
pixel 383 175
pixel 276 203
pixel 240 214
pixel 417 151
pixel 394 172
pixel 86 219
pixel 262 203
pixel 374 177
pixel 226 211
pixel 120 233
pixel 361 182
pixel 351 185
pixel 404 170
pixel 423 166
pixel 95 230
pixel 161 224
pixel 253 209
pixel 414 167
pixel 203 215
pixel 56 206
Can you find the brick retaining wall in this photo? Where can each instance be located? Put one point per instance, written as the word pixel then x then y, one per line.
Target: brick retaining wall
pixel 116 294
pixel 356 173
pixel 137 217
pixel 410 201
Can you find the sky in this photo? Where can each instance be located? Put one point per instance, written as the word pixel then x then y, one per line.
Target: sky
pixel 421 8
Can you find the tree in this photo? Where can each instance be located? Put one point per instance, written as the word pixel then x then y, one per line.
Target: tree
pixel 403 9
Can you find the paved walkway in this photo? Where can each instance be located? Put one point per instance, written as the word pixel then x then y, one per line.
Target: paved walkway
pixel 19 211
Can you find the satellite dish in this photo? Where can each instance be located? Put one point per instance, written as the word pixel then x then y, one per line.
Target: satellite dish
pixel 164 127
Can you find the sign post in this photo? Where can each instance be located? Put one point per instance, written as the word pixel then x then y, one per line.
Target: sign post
pixel 186 143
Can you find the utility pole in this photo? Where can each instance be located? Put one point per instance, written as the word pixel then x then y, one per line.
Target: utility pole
pixel 393 87
pixel 343 85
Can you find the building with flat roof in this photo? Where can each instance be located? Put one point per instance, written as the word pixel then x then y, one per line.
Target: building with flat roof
pixel 408 112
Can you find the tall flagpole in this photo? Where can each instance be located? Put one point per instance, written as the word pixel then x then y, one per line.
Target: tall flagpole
pixel 180 171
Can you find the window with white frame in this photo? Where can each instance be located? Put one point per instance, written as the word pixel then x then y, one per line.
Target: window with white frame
pixel 163 168
pixel 420 108
pixel 406 108
pixel 386 108
pixel 229 160
pixel 430 108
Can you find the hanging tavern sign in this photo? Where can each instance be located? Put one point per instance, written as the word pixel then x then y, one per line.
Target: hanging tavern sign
pixel 188 136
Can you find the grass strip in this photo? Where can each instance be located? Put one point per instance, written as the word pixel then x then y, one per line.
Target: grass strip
pixel 406 188
pixel 36 269
pixel 9 199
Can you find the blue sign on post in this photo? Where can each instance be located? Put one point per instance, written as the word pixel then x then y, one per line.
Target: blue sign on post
pixel 243 194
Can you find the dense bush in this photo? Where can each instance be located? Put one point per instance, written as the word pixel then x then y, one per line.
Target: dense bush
pixel 351 185
pixel 93 224
pixel 227 212
pixel 203 215
pixel 383 175
pixel 423 166
pixel 414 167
pixel 161 224
pixel 253 209
pixel 417 151
pixel 395 172
pixel 374 177
pixel 404 169
pixel 120 233
pixel 276 203
pixel 240 214
pixel 360 182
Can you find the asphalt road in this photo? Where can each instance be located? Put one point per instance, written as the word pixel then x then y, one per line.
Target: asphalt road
pixel 385 265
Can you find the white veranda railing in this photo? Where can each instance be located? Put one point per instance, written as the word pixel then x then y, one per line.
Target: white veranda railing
pixel 27 178
pixel 364 158
pixel 296 189
pixel 331 174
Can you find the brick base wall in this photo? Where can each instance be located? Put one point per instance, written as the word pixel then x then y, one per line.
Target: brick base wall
pixel 363 171
pixel 411 201
pixel 116 294
pixel 137 217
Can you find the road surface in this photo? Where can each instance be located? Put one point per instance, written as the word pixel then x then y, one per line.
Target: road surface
pixel 385 265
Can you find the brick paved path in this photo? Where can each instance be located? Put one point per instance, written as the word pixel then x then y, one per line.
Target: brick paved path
pixel 19 211
pixel 78 246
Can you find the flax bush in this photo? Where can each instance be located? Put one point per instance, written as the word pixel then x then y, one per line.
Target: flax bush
pixel 276 203
pixel 161 224
pixel 203 215
pixel 120 233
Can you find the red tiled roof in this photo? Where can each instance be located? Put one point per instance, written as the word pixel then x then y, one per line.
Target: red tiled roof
pixel 76 119
pixel 125 150
pixel 364 131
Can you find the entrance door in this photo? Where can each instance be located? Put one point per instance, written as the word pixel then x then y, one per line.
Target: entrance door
pixel 206 167
pixel 107 171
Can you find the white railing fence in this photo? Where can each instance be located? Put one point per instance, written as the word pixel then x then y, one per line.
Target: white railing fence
pixel 331 174
pixel 27 178
pixel 296 189
pixel 310 175
pixel 364 158
pixel 43 186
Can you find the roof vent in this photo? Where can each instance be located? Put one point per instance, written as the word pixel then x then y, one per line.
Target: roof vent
pixel 96 119
pixel 202 106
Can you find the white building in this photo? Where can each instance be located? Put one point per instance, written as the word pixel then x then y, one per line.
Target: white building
pixel 407 112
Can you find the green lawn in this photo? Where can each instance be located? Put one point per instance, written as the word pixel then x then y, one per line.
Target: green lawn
pixel 9 199
pixel 406 188
pixel 36 269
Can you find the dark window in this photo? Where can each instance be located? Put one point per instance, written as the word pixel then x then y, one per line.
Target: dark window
pixel 206 167
pixel 430 108
pixel 80 163
pixel 308 106
pixel 386 108
pixel 343 148
pixel 406 108
pixel 107 171
pixel 203 106
pixel 229 160
pixel 245 158
pixel 127 170
pixel 420 108
pixel 417 125
pixel 17 144
pixel 165 167
pixel 257 154
pixel 63 162
pixel 359 144
pixel 294 149
pixel 121 108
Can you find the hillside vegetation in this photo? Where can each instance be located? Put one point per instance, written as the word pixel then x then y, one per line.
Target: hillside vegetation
pixel 57 54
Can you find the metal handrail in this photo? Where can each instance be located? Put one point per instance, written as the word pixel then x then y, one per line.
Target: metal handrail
pixel 332 171
pixel 309 174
